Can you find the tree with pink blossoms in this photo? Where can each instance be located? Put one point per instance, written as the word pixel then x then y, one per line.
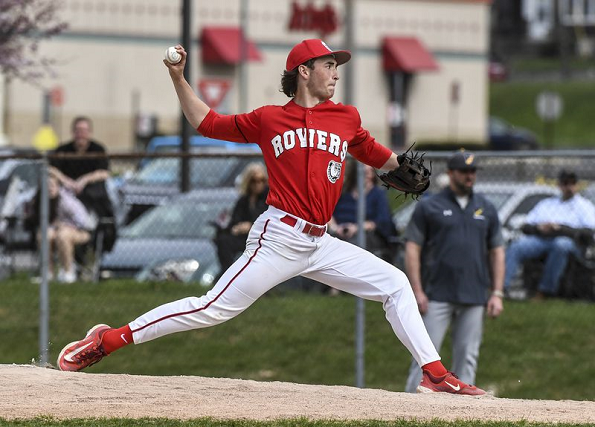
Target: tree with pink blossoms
pixel 24 24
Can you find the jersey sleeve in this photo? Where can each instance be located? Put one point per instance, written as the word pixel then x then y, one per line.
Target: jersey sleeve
pixel 365 148
pixel 416 228
pixel 235 128
pixel 495 238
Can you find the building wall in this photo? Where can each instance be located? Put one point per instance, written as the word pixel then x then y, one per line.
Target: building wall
pixel 109 65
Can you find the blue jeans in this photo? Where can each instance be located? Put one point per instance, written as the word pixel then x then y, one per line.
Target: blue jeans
pixel 557 249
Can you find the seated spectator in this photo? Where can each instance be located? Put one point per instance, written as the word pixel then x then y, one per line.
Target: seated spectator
pixel 86 177
pixel 69 225
pixel 231 240
pixel 556 228
pixel 378 223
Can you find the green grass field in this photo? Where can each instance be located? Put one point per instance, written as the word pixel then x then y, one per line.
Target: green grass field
pixel 532 65
pixel 535 350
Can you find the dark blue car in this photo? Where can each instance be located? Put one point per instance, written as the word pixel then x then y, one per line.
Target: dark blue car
pixel 504 136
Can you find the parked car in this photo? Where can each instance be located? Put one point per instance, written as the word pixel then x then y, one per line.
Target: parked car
pixel 173 240
pixel 589 192
pixel 512 200
pixel 504 136
pixel 19 180
pixel 173 143
pixel 497 71
pixel 160 178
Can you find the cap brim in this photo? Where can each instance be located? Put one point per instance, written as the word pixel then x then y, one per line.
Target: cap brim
pixel 342 56
pixel 465 168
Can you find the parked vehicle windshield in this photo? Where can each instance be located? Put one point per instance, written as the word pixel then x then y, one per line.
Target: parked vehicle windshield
pixel 204 172
pixel 175 221
pixel 498 198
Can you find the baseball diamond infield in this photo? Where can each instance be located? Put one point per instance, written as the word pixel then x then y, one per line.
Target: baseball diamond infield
pixel 29 391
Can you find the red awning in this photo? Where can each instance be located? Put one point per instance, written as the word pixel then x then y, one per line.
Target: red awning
pixel 406 54
pixel 221 45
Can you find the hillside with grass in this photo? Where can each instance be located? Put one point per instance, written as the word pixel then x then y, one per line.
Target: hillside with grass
pixel 515 102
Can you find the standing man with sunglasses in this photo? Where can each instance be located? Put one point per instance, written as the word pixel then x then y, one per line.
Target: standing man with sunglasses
pixel 454 258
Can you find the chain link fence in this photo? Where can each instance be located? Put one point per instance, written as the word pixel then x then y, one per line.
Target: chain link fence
pixel 154 233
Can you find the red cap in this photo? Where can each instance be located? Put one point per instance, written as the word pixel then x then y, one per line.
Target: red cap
pixel 313 48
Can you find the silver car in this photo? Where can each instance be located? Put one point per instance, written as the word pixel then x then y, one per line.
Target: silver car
pixel 173 241
pixel 512 200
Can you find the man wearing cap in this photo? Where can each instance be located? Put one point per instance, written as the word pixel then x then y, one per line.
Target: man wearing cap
pixel 454 258
pixel 304 145
pixel 554 228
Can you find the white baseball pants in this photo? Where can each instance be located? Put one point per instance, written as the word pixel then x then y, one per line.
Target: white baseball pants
pixel 275 252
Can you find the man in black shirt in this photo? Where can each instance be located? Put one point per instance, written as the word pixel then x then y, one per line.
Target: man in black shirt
pixel 454 257
pixel 85 177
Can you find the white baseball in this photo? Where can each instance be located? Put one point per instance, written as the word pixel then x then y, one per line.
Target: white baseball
pixel 172 56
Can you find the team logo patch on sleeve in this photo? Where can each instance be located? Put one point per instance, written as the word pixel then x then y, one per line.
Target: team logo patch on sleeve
pixel 333 172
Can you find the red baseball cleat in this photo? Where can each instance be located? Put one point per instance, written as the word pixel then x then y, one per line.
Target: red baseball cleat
pixel 448 383
pixel 81 354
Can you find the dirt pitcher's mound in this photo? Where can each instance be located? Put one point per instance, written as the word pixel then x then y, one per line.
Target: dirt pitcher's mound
pixel 29 391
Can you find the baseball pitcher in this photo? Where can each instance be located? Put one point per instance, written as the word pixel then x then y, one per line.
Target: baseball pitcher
pixel 304 144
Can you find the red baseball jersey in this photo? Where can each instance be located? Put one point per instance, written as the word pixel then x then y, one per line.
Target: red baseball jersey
pixel 304 150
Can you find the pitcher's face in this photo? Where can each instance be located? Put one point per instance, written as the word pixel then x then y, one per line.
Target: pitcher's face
pixel 323 78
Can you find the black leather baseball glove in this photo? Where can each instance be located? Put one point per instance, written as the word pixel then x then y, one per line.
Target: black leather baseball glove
pixel 411 176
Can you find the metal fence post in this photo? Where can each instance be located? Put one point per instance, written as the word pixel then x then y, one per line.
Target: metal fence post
pixel 360 305
pixel 361 237
pixel 44 288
